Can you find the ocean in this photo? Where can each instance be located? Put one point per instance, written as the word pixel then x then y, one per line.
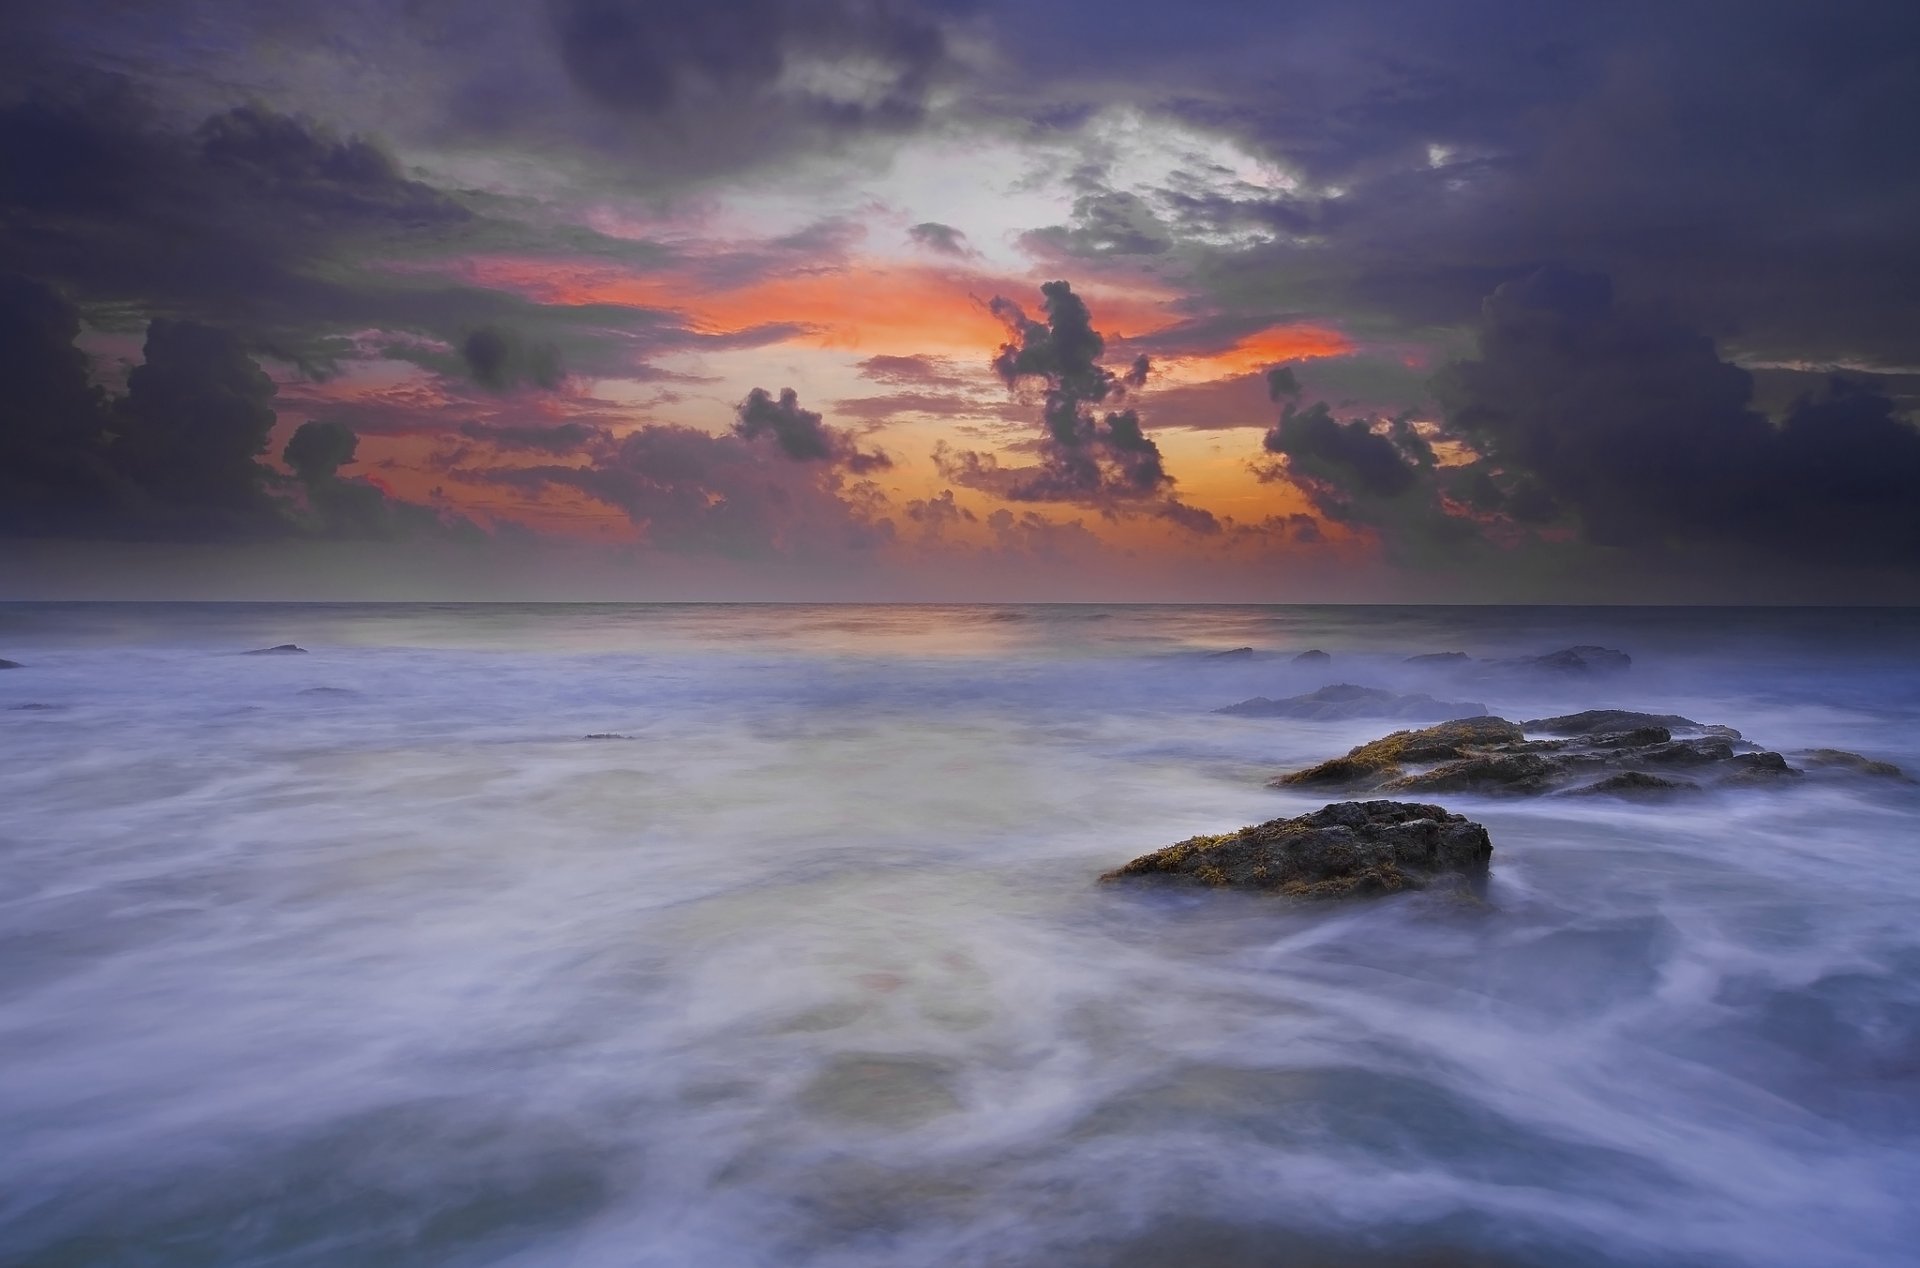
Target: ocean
pixel 370 956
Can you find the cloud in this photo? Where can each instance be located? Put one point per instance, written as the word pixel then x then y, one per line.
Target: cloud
pixel 732 495
pixel 176 457
pixel 500 360
pixel 1633 423
pixel 1382 465
pixel 556 438
pixel 941 239
pixel 800 433
pixel 914 371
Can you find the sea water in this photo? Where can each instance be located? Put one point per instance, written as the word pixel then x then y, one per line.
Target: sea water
pixel 369 956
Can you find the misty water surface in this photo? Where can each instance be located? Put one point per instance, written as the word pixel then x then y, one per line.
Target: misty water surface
pixel 370 957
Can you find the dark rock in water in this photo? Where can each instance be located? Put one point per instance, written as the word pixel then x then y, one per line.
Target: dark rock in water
pixel 1344 700
pixel 1761 767
pixel 283 649
pixel 1686 752
pixel 1313 656
pixel 1233 653
pixel 1500 774
pixel 1605 721
pixel 1493 757
pixel 606 735
pixel 11 664
pixel 329 691
pixel 1633 783
pixel 1381 760
pixel 1840 759
pixel 32 706
pixel 1351 847
pixel 1584 659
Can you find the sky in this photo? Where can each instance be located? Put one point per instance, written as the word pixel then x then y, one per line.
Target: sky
pixel 1226 300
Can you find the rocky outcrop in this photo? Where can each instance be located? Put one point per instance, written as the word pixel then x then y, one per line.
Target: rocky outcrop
pixel 283 649
pixel 1601 752
pixel 1834 759
pixel 1351 847
pixel 11 664
pixel 1583 660
pixel 1232 653
pixel 1344 700
pixel 1313 656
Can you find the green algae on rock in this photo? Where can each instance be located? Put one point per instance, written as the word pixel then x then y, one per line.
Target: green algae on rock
pixel 1347 848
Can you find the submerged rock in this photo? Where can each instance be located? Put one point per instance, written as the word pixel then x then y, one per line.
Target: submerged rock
pixel 1494 757
pixel 1583 660
pixel 11 664
pixel 1633 783
pixel 283 649
pixel 1350 847
pixel 1313 656
pixel 329 691
pixel 1842 760
pixel 1345 700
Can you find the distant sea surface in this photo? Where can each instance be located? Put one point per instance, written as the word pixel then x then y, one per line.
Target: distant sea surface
pixel 370 956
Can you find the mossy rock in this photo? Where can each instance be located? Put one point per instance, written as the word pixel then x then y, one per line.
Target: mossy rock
pixel 1344 849
pixel 1383 758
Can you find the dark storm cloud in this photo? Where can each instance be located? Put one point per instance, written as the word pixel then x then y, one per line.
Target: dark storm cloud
pixel 712 85
pixel 800 433
pixel 1382 465
pixel 1633 423
pixel 500 360
pixel 1087 456
pixel 943 239
pixel 266 223
pixel 177 456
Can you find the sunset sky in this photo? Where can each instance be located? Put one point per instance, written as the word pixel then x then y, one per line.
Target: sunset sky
pixel 684 299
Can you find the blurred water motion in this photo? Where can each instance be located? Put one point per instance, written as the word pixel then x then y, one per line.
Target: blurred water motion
pixel 807 965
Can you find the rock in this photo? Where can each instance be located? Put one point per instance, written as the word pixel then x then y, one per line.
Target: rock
pixel 1344 700
pixel 1439 658
pixel 1381 760
pixel 1633 783
pixel 329 691
pixel 283 649
pixel 11 664
pixel 1234 653
pixel 1350 847
pixel 33 706
pixel 1840 759
pixel 606 735
pixel 1686 752
pixel 1602 721
pixel 1491 756
pixel 1313 656
pixel 1584 659
pixel 1500 774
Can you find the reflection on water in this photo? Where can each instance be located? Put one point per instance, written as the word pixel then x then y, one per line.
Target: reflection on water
pixel 809 968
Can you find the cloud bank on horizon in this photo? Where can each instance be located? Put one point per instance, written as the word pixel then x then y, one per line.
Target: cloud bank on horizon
pixel 962 298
